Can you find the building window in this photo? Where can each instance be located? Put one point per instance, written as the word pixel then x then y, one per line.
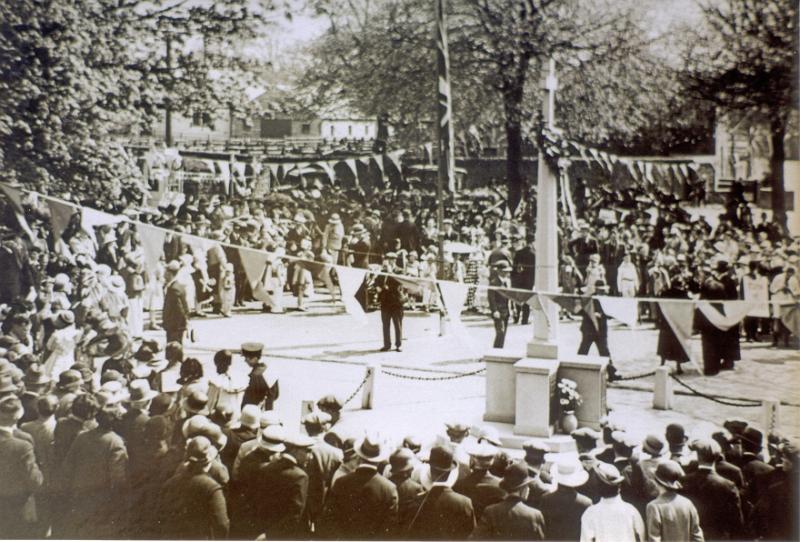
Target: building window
pixel 331 131
pixel 349 129
pixel 201 119
pixel 305 129
pixel 366 130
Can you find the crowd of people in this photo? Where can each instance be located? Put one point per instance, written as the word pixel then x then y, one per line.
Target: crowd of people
pixel 152 456
pixel 95 418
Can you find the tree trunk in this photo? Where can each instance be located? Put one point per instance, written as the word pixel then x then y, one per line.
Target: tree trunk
pixel 512 99
pixel 778 134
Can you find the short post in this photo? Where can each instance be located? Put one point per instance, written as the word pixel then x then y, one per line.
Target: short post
pixel 772 415
pixel 662 389
pixel 368 393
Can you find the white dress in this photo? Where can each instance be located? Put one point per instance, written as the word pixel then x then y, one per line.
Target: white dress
pixel 227 390
pixel 61 346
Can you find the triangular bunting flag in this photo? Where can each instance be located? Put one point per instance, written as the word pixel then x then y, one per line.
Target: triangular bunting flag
pixel 394 158
pixel 254 263
pixel 239 168
pixel 415 286
pixel 694 166
pixel 364 160
pixel 623 309
pixel 60 215
pixel 684 169
pixel 379 162
pixel 15 197
pixel 225 175
pixel 454 297
pixel 517 296
pixel 571 304
pixel 152 244
pixel 273 170
pixel 735 311
pixel 648 173
pixel 350 279
pixel 328 169
pixel 351 164
pixel 680 317
pixel 427 150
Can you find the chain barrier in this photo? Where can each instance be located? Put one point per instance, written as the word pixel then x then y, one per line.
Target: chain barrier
pixel 433 378
pixel 714 398
pixel 619 378
pixel 358 389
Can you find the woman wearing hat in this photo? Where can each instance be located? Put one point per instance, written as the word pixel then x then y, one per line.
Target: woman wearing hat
pixel 671 516
pixel 60 347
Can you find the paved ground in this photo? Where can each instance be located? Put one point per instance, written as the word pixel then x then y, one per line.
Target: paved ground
pixel 325 351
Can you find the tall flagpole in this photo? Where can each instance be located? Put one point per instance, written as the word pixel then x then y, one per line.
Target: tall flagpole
pixel 444 125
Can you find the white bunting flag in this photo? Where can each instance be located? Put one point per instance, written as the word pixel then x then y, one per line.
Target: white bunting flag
pixel 152 244
pixel 454 297
pixel 623 309
pixel 350 280
pixel 735 311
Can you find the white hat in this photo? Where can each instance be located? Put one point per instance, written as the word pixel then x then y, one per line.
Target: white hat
pixel 569 474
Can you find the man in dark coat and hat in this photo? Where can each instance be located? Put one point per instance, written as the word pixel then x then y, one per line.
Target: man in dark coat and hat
pixel 512 519
pixel 175 318
pixel 499 305
pixel 443 513
pixel 409 492
pixel 192 503
pixel 392 299
pixel 362 504
pixel 263 388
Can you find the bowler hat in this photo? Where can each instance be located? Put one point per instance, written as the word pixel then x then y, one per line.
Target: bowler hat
pixel 515 477
pixel 11 406
pixel 140 391
pixel 7 384
pixel 653 445
pixel 35 376
pixel 668 474
pixel 676 434
pixel 402 460
pixel 250 416
pixel 69 378
pixel 199 450
pixel 753 436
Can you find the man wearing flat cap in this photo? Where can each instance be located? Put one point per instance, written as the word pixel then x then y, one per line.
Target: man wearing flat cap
pixel 362 504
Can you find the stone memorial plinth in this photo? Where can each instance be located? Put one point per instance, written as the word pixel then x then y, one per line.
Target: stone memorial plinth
pixel 535 397
pixel 589 373
pixel 501 386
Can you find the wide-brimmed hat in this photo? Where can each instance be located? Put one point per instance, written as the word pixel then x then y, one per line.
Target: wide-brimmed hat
pixel 299 440
pixel 11 407
pixel 335 219
pixel 442 458
pixel 569 473
pixel 654 445
pixel 515 477
pixel 7 384
pixel 752 436
pixel 139 391
pixel 196 403
pixel 608 474
pixel 35 376
pixel 371 449
pixel 668 474
pixel 272 438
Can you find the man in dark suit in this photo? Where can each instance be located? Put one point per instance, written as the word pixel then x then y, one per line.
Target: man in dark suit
pixel 522 277
pixel 19 473
pixel 193 504
pixel 498 303
pixel 563 508
pixel 594 325
pixel 409 492
pixel 480 486
pixel 392 299
pixel 323 463
pixel 362 504
pixel 175 318
pixel 443 513
pixel 512 519
pixel 282 490
pixel 716 499
pixel 755 471
pixel 94 478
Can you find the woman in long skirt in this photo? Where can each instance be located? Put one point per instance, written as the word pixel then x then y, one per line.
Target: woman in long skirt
pixel 669 347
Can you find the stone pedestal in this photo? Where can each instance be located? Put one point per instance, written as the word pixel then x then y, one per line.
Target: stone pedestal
pixel 535 397
pixel 501 387
pixel 662 389
pixel 589 373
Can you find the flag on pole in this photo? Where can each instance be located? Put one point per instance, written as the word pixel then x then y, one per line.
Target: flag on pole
pixel 14 195
pixel 444 126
